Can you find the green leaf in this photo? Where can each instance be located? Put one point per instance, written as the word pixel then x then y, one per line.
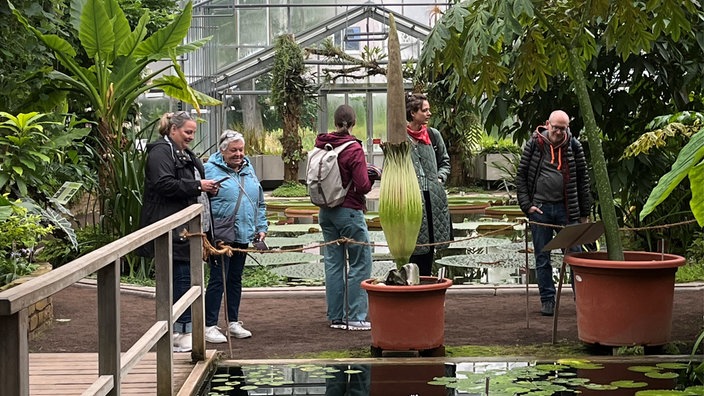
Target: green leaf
pixel 135 37
pixel 690 155
pixel 96 32
pixel 696 183
pixel 168 38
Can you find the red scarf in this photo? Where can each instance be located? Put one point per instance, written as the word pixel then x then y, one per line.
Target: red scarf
pixel 420 135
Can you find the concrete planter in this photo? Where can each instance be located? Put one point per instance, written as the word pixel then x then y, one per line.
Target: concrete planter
pixel 270 170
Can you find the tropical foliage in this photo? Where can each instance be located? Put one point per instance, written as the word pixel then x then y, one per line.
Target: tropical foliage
pixel 290 89
pixel 478 46
pixel 20 232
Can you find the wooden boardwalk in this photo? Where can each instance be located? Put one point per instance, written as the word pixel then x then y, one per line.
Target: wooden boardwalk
pixel 72 373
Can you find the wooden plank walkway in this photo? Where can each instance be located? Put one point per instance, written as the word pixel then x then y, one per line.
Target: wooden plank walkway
pixel 72 373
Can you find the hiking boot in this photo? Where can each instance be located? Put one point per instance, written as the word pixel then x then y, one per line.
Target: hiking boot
pixel 548 308
pixel 183 342
pixel 214 336
pixel 237 331
pixel 359 325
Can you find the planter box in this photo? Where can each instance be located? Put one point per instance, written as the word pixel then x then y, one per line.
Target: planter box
pixel 624 303
pixel 270 170
pixel 489 166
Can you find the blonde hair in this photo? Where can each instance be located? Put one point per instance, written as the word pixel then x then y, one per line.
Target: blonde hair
pixel 177 119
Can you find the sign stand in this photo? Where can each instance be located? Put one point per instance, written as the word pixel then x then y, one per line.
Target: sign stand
pixel 572 235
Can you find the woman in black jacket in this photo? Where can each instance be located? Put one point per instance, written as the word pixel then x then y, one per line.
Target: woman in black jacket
pixel 174 180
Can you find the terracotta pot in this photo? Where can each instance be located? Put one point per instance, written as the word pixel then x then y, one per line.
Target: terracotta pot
pixel 622 303
pixel 408 318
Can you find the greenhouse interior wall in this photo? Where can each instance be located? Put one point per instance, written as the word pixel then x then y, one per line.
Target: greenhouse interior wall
pixel 240 52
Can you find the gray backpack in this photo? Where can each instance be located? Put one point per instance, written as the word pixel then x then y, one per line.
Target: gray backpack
pixel 323 176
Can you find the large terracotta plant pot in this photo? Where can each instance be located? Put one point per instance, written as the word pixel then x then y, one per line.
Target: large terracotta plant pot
pixel 622 303
pixel 408 318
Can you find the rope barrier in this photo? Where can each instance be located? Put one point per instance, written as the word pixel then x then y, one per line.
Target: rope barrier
pixel 221 248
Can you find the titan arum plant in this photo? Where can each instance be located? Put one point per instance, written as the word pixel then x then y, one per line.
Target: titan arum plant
pixel 482 45
pixel 400 201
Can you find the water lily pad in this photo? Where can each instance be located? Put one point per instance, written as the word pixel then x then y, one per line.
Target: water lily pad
pixel 223 388
pixel 661 375
pixel 643 369
pixel 672 366
pixel 479 242
pixel 292 230
pixel 249 387
pixel 317 270
pixel 600 386
pixel 279 258
pixel 629 384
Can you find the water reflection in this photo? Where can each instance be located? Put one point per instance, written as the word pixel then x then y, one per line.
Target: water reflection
pixel 349 380
pixel 405 377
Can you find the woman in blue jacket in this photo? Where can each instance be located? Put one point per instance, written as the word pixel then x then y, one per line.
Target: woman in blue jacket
pixel 239 216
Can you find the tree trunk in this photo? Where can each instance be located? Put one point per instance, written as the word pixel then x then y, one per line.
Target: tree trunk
pixel 252 117
pixel 291 144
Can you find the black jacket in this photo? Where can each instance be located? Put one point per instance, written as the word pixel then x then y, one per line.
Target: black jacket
pixel 576 192
pixel 170 185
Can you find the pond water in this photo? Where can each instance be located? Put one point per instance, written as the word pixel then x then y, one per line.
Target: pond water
pixel 439 378
pixel 486 251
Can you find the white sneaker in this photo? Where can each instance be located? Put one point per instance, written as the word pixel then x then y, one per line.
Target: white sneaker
pixel 183 342
pixel 214 336
pixel 237 331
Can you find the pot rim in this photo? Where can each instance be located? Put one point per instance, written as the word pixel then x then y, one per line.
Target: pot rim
pixel 444 284
pixel 646 260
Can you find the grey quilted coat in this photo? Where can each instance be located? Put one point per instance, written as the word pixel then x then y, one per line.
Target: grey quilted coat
pixel 432 165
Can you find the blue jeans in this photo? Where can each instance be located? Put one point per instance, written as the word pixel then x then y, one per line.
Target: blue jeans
pixel 181 278
pixel 349 223
pixel 555 214
pixel 234 266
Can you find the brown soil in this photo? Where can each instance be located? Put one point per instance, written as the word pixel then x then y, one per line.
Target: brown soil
pixel 293 325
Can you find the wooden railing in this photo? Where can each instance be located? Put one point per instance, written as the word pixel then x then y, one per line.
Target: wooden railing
pixel 112 366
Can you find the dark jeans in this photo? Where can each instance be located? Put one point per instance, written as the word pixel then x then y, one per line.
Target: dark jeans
pixel 181 278
pixel 555 214
pixel 234 266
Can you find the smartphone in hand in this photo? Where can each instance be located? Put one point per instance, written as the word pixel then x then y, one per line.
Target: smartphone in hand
pixel 221 181
pixel 260 245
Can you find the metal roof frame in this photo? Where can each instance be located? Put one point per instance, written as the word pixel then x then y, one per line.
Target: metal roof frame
pixel 261 62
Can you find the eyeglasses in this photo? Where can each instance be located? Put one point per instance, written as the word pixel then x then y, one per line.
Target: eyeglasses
pixel 180 114
pixel 560 128
pixel 231 135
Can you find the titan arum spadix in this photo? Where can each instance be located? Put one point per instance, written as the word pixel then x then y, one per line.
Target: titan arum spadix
pixel 400 201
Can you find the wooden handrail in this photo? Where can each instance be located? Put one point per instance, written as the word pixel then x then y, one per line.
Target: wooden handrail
pixel 14 302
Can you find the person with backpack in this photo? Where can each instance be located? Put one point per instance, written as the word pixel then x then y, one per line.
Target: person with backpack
pixel 346 220
pixel 432 166
pixel 239 217
pixel 553 190
pixel 175 179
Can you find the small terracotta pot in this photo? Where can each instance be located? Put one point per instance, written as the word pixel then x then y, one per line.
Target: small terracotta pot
pixel 624 303
pixel 407 317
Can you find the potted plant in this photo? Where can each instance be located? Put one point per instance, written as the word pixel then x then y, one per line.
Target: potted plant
pixel 408 317
pixel 496 159
pixel 519 47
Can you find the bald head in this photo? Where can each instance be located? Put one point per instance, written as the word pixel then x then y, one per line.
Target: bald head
pixel 559 117
pixel 558 125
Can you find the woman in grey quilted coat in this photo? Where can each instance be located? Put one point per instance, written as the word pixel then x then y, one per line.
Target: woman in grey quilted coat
pixel 432 165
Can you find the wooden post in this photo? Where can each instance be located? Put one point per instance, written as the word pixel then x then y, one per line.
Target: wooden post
pixel 14 349
pixel 198 306
pixel 109 324
pixel 163 254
